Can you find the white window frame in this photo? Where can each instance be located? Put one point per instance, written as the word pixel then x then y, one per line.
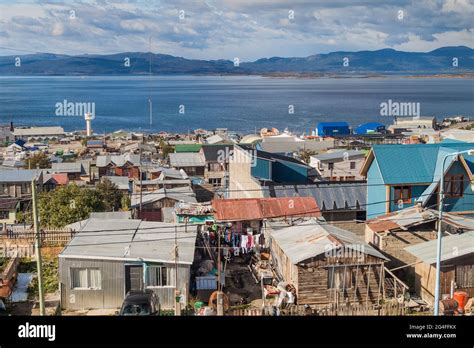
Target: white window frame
pixel 88 270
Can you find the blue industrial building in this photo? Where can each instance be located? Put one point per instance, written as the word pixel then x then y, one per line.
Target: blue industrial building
pixel 371 127
pixel 330 129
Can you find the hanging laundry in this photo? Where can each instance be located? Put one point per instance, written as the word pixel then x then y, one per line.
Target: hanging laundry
pixel 250 243
pixel 256 239
pixel 243 244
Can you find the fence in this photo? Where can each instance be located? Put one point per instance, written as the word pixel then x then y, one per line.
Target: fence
pixel 385 309
pixel 48 237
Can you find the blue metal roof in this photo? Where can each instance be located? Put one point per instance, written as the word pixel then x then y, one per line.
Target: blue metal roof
pixel 371 126
pixel 417 163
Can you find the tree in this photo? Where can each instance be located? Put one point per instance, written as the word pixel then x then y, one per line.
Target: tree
pixel 305 155
pixel 38 160
pixel 165 148
pixel 125 202
pixel 110 194
pixel 68 204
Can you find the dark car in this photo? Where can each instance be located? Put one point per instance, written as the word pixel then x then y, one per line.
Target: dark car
pixel 140 303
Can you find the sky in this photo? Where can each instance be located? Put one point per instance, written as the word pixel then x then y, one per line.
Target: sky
pixel 225 29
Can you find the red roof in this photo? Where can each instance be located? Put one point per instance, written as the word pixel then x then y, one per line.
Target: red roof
pixel 61 178
pixel 263 208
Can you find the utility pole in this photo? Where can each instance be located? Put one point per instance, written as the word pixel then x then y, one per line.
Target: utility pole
pixel 177 308
pixel 141 183
pixel 220 297
pixel 149 96
pixel 38 247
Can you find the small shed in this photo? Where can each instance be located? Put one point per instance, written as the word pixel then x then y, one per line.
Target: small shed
pixel 457 265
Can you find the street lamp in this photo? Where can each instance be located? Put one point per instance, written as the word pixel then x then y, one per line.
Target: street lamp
pixel 440 218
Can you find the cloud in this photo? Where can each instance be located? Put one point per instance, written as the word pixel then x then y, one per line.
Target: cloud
pixel 248 29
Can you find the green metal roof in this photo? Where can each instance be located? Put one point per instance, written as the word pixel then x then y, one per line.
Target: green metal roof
pixel 417 163
pixel 187 147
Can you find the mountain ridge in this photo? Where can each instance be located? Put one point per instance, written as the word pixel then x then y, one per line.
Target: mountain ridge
pixel 382 61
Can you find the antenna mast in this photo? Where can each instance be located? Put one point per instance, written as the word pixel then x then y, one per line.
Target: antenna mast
pixel 149 93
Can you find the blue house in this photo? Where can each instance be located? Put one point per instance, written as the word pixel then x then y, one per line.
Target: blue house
pixel 329 129
pixel 400 176
pixel 278 168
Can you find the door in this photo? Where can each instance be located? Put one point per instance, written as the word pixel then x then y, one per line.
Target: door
pixel 447 276
pixel 133 278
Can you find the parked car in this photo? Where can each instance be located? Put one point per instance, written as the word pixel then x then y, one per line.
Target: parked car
pixel 140 303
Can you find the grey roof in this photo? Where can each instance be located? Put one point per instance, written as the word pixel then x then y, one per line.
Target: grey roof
pixel 118 160
pixel 20 175
pixel 329 196
pixel 13 163
pixel 184 194
pixel 453 246
pixel 67 167
pixel 313 238
pixel 131 240
pixel 173 173
pixel 339 155
pixel 122 182
pixel 38 131
pixel 187 159
pixel 111 215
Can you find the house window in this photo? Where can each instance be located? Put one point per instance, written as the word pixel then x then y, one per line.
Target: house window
pixel 453 186
pixel 350 177
pixel 4 214
pixel 214 167
pixel 330 166
pixel 215 181
pixel 86 278
pixel 158 276
pixel 353 165
pixel 402 193
pixel 339 278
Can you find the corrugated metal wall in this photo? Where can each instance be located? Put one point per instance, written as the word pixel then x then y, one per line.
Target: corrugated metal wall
pixel 113 284
pixel 112 290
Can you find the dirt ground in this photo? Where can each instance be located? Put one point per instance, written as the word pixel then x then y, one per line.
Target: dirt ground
pixel 240 284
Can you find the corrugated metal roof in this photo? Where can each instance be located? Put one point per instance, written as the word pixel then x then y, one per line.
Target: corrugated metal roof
pixel 21 175
pixel 416 163
pixel 451 247
pixel 122 182
pixel 132 240
pixel 38 131
pixel 263 208
pixel 187 147
pixel 186 159
pixel 339 155
pixel 118 160
pixel 329 196
pixel 313 238
pixel 412 216
pixel 185 194
pixel 111 215
pixel 67 167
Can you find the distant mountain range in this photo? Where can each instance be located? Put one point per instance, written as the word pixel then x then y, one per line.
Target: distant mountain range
pixel 380 62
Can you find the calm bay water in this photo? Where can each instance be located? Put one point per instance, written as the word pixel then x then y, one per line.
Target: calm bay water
pixel 243 103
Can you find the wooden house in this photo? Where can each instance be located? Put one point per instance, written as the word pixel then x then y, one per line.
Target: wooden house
pixel 329 265
pixel 457 265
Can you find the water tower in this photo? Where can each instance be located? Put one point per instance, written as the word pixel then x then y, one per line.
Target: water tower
pixel 89 117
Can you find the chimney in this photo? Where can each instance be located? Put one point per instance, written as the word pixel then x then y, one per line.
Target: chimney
pixel 11 127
